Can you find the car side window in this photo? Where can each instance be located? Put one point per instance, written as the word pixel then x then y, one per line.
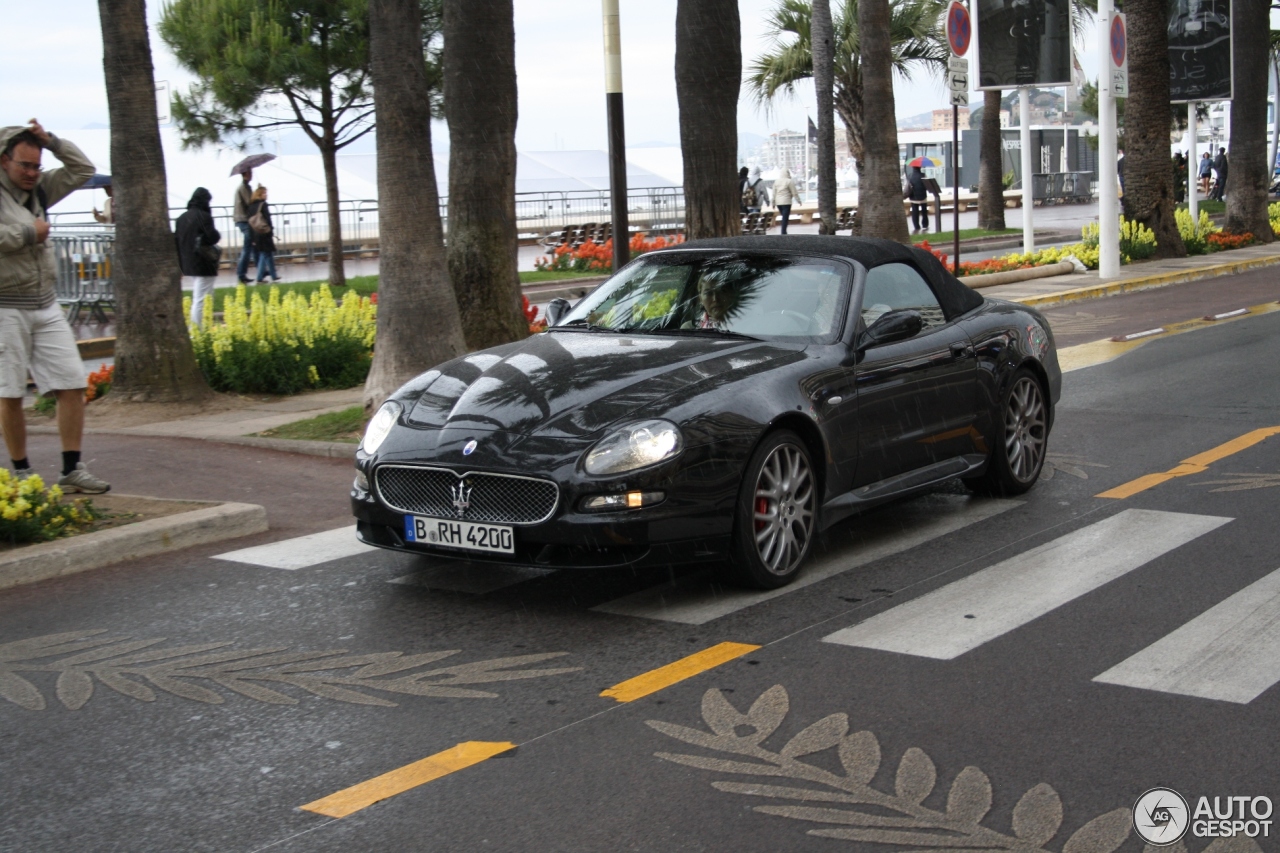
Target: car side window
pixel 894 287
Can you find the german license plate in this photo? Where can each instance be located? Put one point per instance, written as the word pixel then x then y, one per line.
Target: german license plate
pixel 450 533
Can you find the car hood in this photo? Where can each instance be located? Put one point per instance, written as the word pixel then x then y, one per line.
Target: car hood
pixel 572 384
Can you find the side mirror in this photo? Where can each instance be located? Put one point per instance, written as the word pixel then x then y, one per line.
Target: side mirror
pixel 891 328
pixel 556 309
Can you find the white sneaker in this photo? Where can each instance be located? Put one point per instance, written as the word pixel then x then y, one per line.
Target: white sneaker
pixel 80 480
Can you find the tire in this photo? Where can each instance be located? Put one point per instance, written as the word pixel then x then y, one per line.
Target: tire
pixel 1022 439
pixel 776 518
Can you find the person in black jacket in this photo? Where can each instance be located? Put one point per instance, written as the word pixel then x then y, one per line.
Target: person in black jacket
pixel 915 192
pixel 198 251
pixel 264 242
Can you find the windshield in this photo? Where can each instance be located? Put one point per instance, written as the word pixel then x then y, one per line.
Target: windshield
pixel 760 296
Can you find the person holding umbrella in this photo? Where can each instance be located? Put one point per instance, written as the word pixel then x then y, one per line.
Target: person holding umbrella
pixel 244 200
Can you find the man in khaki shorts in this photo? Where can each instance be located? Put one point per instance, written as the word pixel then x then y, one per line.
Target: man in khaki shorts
pixel 35 337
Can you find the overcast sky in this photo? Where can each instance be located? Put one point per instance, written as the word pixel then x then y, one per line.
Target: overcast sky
pixel 55 72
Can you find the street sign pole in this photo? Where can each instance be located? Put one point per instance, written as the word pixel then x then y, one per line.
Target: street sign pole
pixel 617 134
pixel 1193 169
pixel 959 34
pixel 1108 181
pixel 1028 184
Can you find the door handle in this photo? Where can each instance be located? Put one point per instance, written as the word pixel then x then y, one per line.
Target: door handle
pixel 961 350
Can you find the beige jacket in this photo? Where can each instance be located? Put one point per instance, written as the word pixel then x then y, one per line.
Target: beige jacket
pixel 27 270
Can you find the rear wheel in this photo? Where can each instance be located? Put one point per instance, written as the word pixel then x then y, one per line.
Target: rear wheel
pixel 776 517
pixel 1023 439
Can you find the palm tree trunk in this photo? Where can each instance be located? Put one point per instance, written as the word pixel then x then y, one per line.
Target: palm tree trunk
pixel 991 165
pixel 329 159
pixel 823 48
pixel 880 193
pixel 708 78
pixel 418 321
pixel 849 107
pixel 1148 180
pixel 480 102
pixel 153 357
pixel 1249 176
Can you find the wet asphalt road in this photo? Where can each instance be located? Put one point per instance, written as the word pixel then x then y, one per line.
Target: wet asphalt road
pixel 219 762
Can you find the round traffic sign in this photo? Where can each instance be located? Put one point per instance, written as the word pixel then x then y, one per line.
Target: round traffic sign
pixel 959 28
pixel 1118 41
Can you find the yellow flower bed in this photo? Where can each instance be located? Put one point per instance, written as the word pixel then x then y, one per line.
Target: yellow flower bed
pixel 285 344
pixel 31 513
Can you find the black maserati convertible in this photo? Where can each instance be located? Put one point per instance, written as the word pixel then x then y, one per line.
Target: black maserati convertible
pixel 722 400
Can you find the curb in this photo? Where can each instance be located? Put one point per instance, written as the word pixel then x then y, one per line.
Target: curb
pixel 213 523
pixel 1133 285
pixel 976 282
pixel 330 449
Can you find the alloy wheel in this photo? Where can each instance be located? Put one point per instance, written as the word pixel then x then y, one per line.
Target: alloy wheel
pixel 783 509
pixel 1025 429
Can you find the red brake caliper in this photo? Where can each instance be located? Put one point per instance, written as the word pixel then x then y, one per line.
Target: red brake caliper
pixel 762 507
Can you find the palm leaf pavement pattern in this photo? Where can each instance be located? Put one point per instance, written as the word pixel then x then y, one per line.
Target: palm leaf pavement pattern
pixel 852 810
pixel 138 668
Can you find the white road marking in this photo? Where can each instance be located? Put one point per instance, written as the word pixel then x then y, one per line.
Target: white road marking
pixel 473 578
pixel 303 551
pixel 963 615
pixel 697 599
pixel 1230 652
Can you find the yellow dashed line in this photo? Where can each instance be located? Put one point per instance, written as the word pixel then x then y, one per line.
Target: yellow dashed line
pixel 365 794
pixel 1197 464
pixel 1100 352
pixel 672 673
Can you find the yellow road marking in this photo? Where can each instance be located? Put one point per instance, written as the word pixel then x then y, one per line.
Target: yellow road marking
pixel 1197 464
pixel 1100 352
pixel 357 797
pixel 665 676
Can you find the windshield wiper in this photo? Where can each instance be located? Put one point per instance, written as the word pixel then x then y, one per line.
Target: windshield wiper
pixel 583 324
pixel 710 330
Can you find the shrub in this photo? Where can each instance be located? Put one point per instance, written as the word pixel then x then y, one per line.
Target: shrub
pixel 99 382
pixel 1219 241
pixel 1193 236
pixel 31 513
pixel 282 346
pixel 1137 241
pixel 531 316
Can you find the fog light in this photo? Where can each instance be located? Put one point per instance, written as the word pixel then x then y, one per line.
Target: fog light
pixel 362 482
pixel 626 500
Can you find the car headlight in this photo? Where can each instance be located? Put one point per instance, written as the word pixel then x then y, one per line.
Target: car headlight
pixel 380 426
pixel 634 446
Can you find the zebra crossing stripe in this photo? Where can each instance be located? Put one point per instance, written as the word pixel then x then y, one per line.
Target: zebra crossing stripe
pixel 1230 652
pixel 963 615
pixel 699 598
pixel 301 552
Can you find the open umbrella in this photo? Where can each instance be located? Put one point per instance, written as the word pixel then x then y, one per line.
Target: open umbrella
pixel 924 163
pixel 96 182
pixel 253 161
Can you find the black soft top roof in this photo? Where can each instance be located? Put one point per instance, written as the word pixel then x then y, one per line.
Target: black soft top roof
pixel 956 298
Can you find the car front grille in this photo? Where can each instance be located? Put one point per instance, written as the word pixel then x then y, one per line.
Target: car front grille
pixel 488 498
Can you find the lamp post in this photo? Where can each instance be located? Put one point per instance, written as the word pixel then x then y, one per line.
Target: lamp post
pixel 617 134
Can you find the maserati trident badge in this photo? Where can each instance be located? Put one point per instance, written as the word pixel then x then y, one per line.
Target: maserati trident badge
pixel 469 447
pixel 461 498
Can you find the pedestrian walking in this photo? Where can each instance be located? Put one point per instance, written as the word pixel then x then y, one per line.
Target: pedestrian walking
pixel 784 191
pixel 1206 173
pixel 107 216
pixel 35 338
pixel 1179 178
pixel 1220 168
pixel 742 187
pixel 263 235
pixel 914 190
pixel 756 195
pixel 244 198
pixel 198 249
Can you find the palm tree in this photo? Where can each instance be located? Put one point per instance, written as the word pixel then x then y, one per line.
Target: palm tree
pixel 991 164
pixel 822 40
pixel 708 80
pixel 1250 174
pixel 1148 180
pixel 879 185
pixel 418 323
pixel 154 360
pixel 915 43
pixel 480 104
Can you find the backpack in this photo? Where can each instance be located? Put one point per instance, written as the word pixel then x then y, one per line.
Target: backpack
pixel 750 198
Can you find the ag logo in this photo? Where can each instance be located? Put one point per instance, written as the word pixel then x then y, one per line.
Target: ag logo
pixel 1161 817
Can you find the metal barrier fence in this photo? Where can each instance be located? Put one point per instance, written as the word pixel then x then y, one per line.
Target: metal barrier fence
pixel 83 263
pixel 302 228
